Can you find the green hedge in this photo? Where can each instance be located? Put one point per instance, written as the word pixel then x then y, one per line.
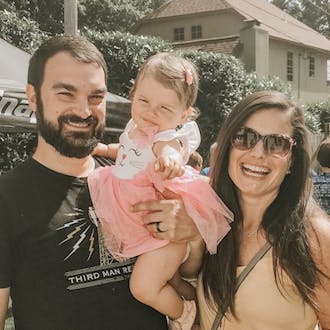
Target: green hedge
pixel 124 54
pixel 21 32
pixel 316 115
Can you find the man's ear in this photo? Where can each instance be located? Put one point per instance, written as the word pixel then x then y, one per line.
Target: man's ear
pixel 32 97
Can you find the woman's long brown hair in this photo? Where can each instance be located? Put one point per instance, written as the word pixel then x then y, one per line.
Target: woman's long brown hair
pixel 284 221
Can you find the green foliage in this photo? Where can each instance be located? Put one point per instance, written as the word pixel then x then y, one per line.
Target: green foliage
pixel 124 54
pixel 15 148
pixel 221 87
pixel 21 32
pixel 106 15
pixel 316 115
pixel 113 15
pixel 253 83
pixel 314 13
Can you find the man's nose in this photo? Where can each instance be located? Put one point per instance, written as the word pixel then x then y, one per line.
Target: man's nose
pixel 83 108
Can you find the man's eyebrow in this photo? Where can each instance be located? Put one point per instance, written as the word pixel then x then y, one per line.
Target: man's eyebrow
pixel 72 88
pixel 100 91
pixel 65 86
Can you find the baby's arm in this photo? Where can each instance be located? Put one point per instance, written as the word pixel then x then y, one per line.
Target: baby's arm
pixel 169 159
pixel 106 150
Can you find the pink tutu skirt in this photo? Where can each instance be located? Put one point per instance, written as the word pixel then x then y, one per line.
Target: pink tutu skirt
pixel 124 233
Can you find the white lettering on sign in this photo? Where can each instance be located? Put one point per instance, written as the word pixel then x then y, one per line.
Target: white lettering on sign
pixel 10 106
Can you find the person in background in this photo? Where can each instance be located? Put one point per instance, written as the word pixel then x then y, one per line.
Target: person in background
pixel 206 170
pixel 196 161
pixel 321 181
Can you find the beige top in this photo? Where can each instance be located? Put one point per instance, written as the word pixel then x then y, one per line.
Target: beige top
pixel 260 305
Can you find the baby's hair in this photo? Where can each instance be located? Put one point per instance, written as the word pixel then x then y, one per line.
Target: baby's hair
pixel 174 72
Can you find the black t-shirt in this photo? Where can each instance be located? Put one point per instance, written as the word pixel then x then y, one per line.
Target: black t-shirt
pixel 53 258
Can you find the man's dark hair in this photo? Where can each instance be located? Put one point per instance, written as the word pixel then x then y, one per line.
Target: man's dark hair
pixel 77 46
pixel 323 154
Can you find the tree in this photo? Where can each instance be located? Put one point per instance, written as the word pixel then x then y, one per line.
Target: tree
pixel 314 13
pixel 98 15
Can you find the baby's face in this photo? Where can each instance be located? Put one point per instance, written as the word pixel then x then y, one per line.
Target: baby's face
pixel 155 105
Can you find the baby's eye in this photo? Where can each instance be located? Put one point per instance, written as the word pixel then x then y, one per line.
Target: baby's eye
pixel 65 93
pixel 166 109
pixel 143 100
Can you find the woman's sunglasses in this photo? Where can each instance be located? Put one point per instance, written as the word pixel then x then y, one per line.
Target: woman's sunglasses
pixel 274 144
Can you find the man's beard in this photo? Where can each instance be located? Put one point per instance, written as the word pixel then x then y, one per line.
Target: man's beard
pixel 70 144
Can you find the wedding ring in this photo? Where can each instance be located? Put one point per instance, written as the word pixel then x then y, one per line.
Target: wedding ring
pixel 158 228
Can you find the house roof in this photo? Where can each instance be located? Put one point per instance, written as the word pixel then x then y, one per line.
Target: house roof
pixel 275 21
pixel 217 45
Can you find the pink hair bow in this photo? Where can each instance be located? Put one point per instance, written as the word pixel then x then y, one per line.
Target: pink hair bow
pixel 188 76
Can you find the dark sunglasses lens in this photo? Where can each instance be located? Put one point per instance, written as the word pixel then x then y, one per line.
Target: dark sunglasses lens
pixel 276 144
pixel 244 139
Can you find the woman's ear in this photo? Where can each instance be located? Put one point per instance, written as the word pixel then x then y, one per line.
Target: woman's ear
pixel 31 96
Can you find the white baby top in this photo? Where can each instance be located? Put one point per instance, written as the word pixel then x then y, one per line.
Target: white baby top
pixel 134 157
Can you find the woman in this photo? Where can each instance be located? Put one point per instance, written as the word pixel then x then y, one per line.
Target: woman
pixel 261 172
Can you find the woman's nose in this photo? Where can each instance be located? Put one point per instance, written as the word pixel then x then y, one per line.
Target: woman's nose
pixel 258 150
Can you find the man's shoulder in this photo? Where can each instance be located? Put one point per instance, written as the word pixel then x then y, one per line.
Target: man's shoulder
pixel 14 174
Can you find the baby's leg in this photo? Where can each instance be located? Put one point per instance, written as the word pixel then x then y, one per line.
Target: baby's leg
pixel 151 273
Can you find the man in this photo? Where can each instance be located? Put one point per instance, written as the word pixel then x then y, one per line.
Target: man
pixel 52 258
pixel 322 181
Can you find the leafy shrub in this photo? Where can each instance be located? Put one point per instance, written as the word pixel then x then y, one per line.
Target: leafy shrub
pixel 15 148
pixel 124 54
pixel 221 87
pixel 317 114
pixel 253 83
pixel 21 32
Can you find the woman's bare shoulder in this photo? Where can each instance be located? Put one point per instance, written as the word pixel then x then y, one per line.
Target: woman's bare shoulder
pixel 318 232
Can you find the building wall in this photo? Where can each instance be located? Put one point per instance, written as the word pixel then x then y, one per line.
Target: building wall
pixel 213 26
pixel 305 88
pixel 267 56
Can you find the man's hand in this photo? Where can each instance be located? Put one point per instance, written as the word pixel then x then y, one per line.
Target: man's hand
pixel 168 218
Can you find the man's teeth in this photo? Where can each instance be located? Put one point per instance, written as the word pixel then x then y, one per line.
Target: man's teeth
pixel 78 124
pixel 255 170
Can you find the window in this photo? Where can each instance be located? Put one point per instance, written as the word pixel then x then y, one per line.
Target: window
pixel 328 72
pixel 311 66
pixel 289 66
pixel 196 32
pixel 178 34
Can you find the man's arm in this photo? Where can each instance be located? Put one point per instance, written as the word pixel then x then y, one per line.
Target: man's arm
pixel 4 299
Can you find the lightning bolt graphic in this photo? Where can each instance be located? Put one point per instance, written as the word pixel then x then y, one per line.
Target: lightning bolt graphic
pixel 71 235
pixel 77 245
pixel 91 245
pixel 68 224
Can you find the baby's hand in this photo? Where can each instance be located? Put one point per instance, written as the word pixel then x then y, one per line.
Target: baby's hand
pixel 169 165
pixel 106 150
pixel 101 150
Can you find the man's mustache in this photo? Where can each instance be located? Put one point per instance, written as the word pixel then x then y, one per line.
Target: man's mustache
pixel 76 119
